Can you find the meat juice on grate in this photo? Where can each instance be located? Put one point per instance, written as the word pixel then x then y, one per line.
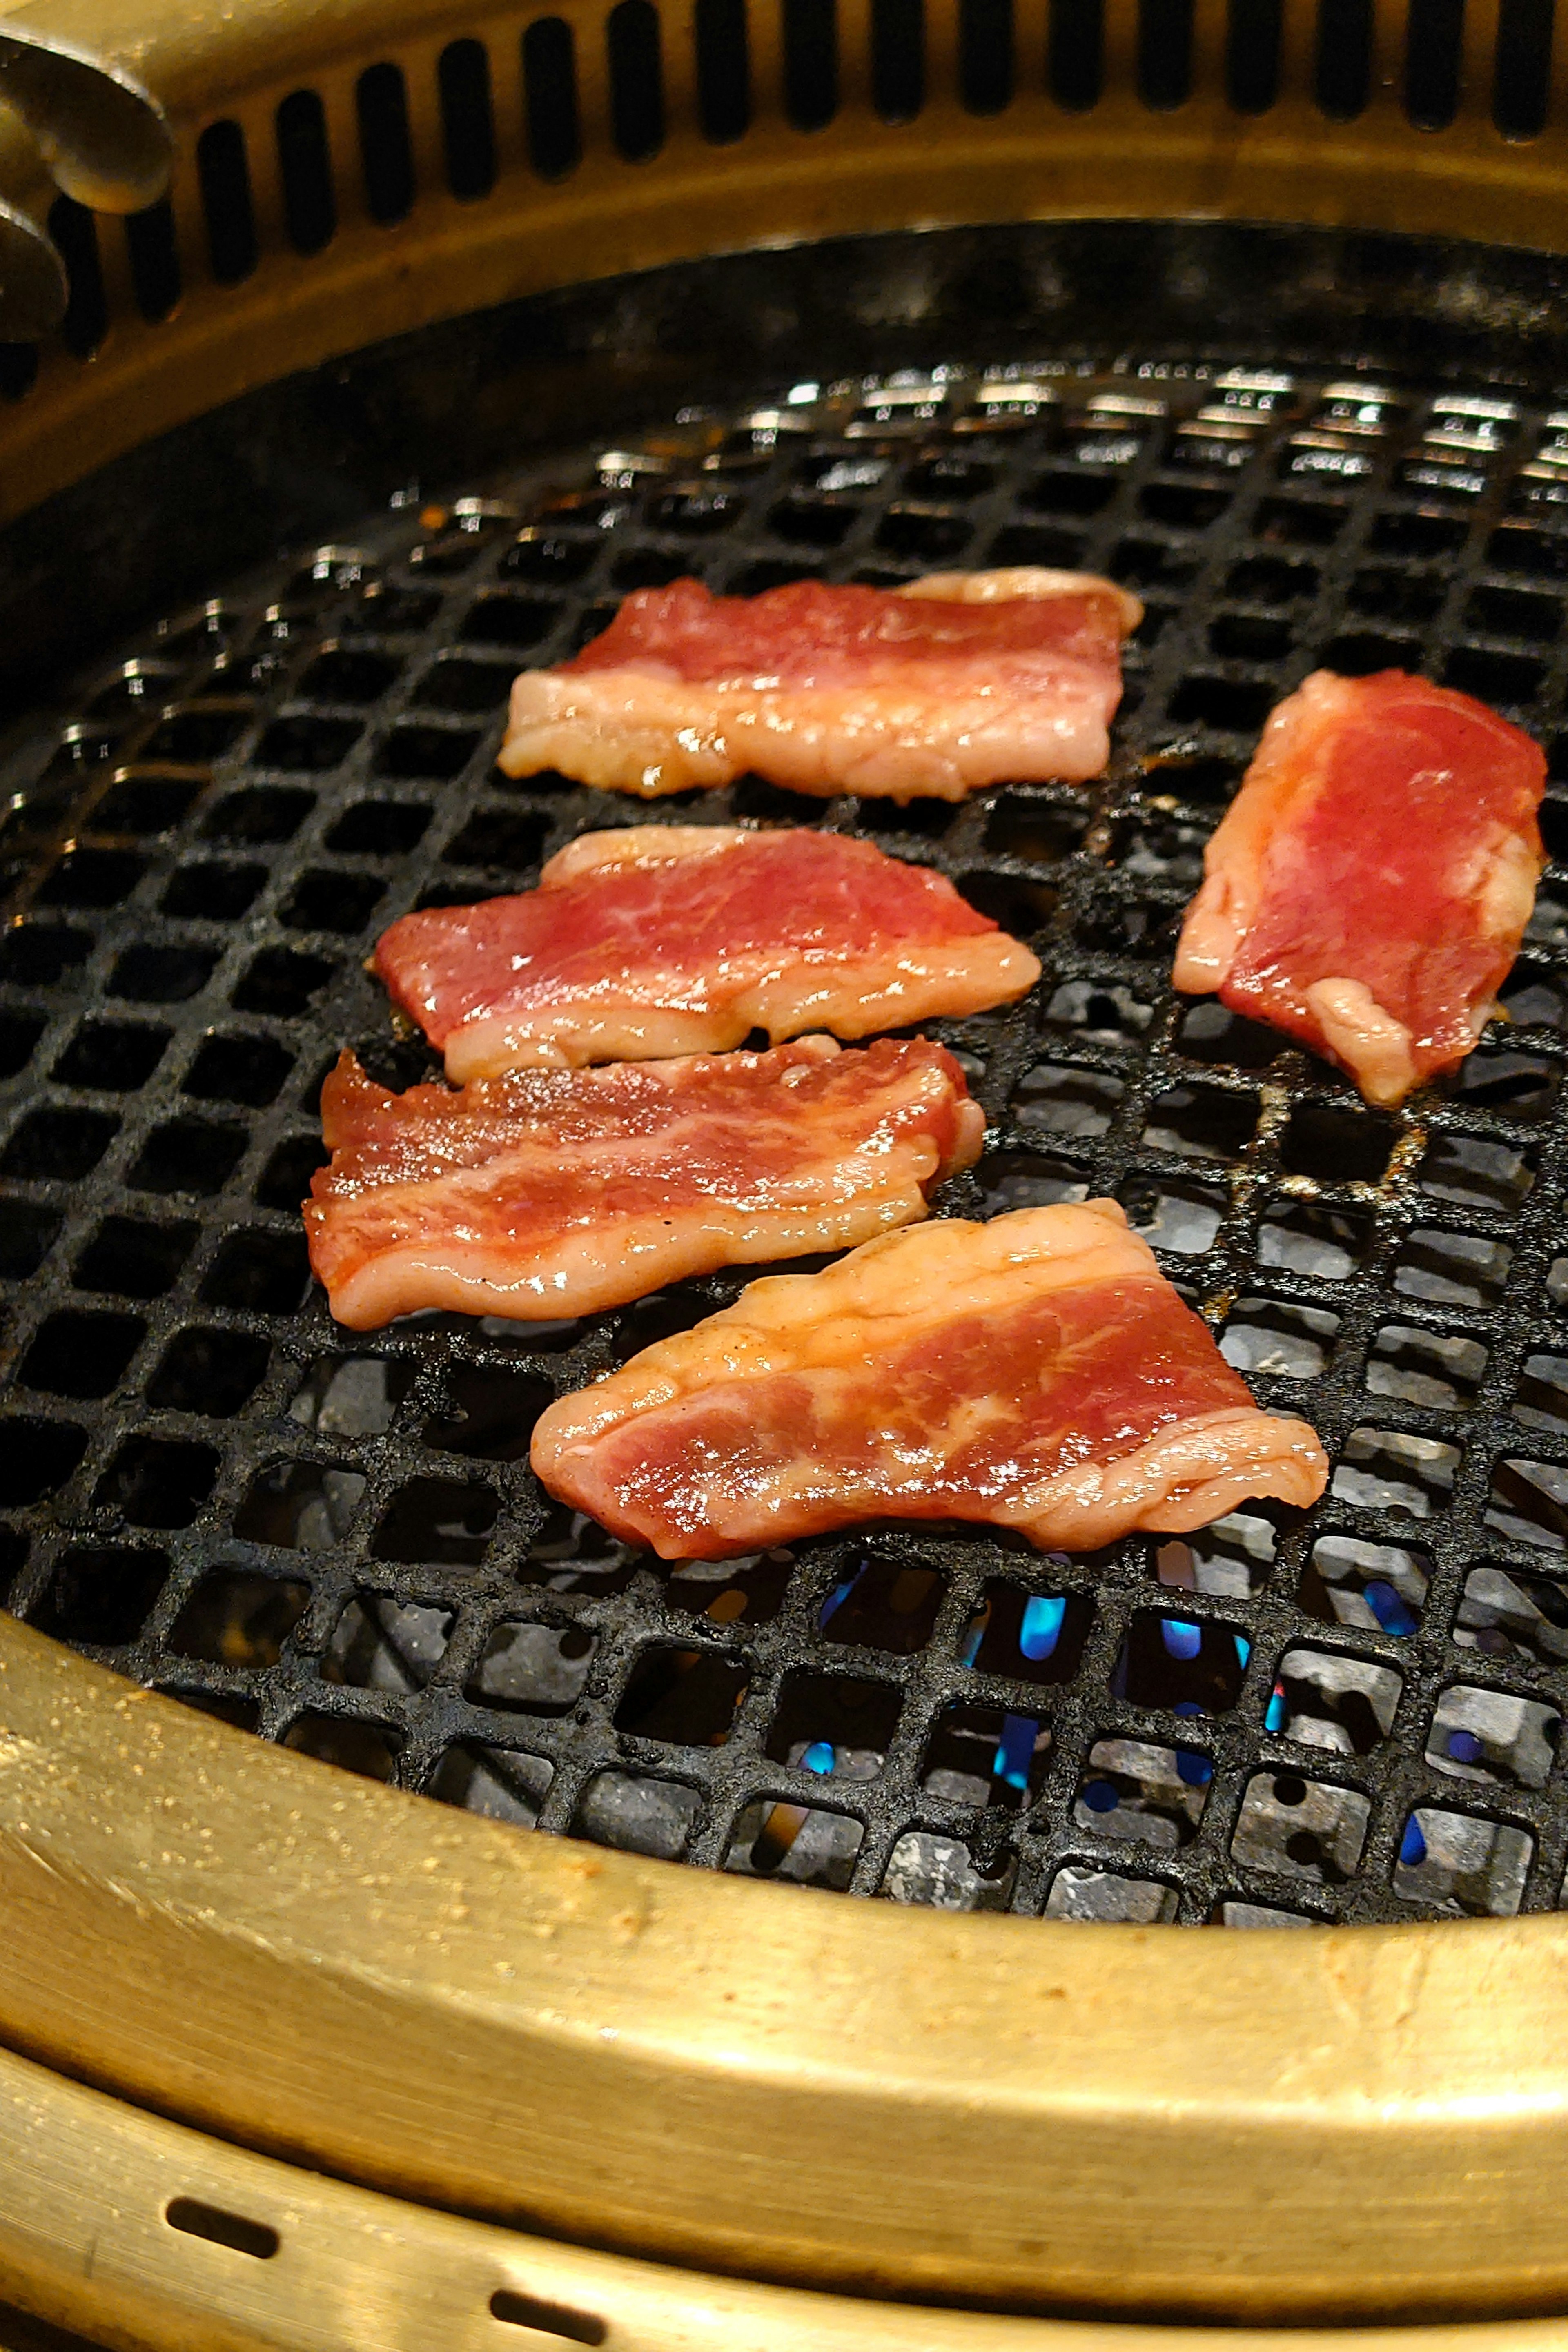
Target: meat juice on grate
pixel 1351 1714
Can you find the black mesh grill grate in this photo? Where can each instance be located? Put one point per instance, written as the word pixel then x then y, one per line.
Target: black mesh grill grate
pixel 1350 1714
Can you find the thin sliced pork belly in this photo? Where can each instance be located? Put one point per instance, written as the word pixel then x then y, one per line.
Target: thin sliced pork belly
pixel 956 681
pixel 666 939
pixel 546 1194
pixel 1039 1372
pixel 1368 888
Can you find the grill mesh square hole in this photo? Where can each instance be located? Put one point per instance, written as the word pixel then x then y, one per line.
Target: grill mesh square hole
pixel 249 1070
pixel 1135 1790
pixel 58 1147
pixel 158 1482
pixel 37 955
pixel 188 1155
pixel 983 1756
pixel 256 1269
pixel 209 1372
pixel 27 1233
pixel 307 742
pixel 111 1057
pixel 213 893
pixel 532 1669
pixel 101 1594
pixel 371 1750
pixel 505 1784
pixel 237 1619
pixel 1301 1828
pixel 802 1845
pixel 281 983
pixel 81 1355
pixel 162 975
pixel 439 1521
pixel 688 1696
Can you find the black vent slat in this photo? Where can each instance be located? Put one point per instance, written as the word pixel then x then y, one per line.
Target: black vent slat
pixel 1164 52
pixel 75 234
pixel 550 91
pixel 467 119
pixel 898 58
pixel 811 62
pixel 154 258
pixel 1523 67
pixel 1075 60
pixel 723 69
pixel 305 164
pixel 1252 55
pixel 637 80
pixel 386 151
pixel 1434 32
pixel 985 61
pixel 1344 79
pixel 222 171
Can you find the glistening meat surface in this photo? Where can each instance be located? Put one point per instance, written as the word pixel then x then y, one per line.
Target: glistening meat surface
pixel 665 939
pixel 1368 888
pixel 1037 1372
pixel 951 683
pixel 552 1193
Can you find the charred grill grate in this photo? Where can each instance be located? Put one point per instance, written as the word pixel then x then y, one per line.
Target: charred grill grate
pixel 335 1540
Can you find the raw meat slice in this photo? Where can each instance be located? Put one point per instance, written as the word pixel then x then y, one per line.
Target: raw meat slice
pixel 546 1194
pixel 1369 885
pixel 1037 1372
pixel 682 938
pixel 956 681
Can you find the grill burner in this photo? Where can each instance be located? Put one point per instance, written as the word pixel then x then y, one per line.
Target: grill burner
pixel 1350 1714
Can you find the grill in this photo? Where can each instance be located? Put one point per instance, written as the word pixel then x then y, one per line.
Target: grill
pixel 1350 1714
pixel 447 330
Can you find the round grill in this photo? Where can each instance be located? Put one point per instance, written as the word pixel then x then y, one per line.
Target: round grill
pixel 335 1540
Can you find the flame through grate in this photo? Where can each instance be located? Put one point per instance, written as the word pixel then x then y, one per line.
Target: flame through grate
pixel 1353 1713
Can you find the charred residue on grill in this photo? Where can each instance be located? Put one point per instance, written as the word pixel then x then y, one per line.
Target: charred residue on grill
pixel 336 1541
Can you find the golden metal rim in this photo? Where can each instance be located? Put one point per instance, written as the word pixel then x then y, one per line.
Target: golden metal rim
pixel 86 2185
pixel 767 2080
pixel 1034 159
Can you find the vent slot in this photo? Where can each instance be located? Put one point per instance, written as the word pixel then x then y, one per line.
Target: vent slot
pixel 1522 66
pixel 236 2231
pixel 75 234
pixel 898 58
pixel 810 63
pixel 637 80
pixel 223 173
pixel 546 2319
pixel 467 119
pixel 305 164
pixel 154 259
pixel 985 55
pixel 1075 59
pixel 1434 30
pixel 723 69
pixel 1252 55
pixel 1344 79
pixel 386 153
pixel 1164 53
pixel 550 98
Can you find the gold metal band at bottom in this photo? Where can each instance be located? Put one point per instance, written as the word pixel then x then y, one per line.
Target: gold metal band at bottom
pixel 149 2237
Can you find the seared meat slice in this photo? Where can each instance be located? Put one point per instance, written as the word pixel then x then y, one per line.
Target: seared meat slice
pixel 1037 1372
pixel 956 681
pixel 547 1193
pixel 682 938
pixel 1369 885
